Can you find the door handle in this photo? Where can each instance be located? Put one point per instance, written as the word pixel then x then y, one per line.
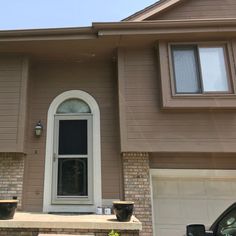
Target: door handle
pixel 54 157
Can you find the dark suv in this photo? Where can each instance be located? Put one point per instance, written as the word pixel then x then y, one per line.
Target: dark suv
pixel 225 225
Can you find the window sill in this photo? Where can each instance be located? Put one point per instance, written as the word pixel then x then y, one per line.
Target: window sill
pixel 227 101
pixel 72 201
pixel 204 96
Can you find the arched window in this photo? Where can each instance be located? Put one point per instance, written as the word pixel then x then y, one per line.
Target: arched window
pixel 73 105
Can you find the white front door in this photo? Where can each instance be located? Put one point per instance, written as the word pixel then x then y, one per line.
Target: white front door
pixel 72 160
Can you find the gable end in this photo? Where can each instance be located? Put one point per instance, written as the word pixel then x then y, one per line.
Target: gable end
pixel 153 9
pixel 186 9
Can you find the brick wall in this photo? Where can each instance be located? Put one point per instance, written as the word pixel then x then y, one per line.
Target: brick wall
pixel 137 187
pixel 36 232
pixel 11 176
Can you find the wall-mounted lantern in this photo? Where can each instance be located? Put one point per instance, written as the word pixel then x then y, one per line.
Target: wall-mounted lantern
pixel 38 129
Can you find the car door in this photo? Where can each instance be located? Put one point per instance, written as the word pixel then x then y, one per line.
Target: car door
pixel 225 225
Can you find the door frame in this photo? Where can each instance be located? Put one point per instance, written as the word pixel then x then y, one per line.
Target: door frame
pixel 48 206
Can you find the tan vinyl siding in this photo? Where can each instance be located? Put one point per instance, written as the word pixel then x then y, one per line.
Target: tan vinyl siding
pixel 193 161
pixel 51 79
pixel 151 129
pixel 13 86
pixel 192 9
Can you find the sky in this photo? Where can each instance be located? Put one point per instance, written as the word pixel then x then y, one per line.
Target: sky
pixel 34 14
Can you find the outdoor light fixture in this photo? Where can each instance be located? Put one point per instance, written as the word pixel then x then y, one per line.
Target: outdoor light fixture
pixel 38 129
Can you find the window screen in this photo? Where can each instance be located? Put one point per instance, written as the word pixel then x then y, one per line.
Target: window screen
pixel 185 69
pixel 73 137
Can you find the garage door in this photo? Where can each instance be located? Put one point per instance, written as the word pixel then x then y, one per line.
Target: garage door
pixel 182 197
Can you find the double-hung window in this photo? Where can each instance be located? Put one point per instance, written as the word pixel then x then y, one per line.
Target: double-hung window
pixel 200 69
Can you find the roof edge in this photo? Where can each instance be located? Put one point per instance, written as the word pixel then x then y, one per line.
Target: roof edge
pixel 99 28
pixel 48 31
pixel 165 24
pixel 155 8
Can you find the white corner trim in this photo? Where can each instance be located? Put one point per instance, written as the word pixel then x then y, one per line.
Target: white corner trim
pixel 152 202
pixel 97 179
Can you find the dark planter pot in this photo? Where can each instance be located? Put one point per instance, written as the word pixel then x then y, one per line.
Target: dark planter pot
pixel 123 210
pixel 7 209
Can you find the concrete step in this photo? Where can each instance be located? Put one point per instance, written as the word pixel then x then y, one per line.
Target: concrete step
pixel 65 234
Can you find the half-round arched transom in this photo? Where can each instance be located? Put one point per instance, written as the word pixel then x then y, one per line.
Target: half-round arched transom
pixel 73 105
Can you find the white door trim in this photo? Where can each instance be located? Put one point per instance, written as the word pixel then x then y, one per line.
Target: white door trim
pixel 97 180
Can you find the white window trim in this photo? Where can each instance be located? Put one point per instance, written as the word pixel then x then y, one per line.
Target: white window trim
pixel 97 180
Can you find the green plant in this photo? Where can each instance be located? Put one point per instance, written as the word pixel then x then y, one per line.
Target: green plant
pixel 113 233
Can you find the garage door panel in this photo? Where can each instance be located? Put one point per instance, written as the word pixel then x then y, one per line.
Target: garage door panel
pixel 233 184
pixel 168 210
pixel 178 211
pixel 217 188
pixel 167 231
pixel 192 188
pixel 164 188
pixel 195 210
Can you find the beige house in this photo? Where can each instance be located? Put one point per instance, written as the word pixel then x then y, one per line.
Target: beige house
pixel 141 110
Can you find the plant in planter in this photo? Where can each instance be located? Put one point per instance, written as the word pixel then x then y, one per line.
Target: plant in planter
pixel 123 210
pixel 113 233
pixel 7 209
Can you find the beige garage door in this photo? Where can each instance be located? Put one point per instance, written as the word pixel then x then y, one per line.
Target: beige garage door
pixel 182 197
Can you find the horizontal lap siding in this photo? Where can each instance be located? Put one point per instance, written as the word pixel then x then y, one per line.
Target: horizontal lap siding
pixel 151 129
pixel 10 89
pixel 193 161
pixel 194 9
pixel 50 80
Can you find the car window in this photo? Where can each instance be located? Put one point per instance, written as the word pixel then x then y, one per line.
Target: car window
pixel 227 226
